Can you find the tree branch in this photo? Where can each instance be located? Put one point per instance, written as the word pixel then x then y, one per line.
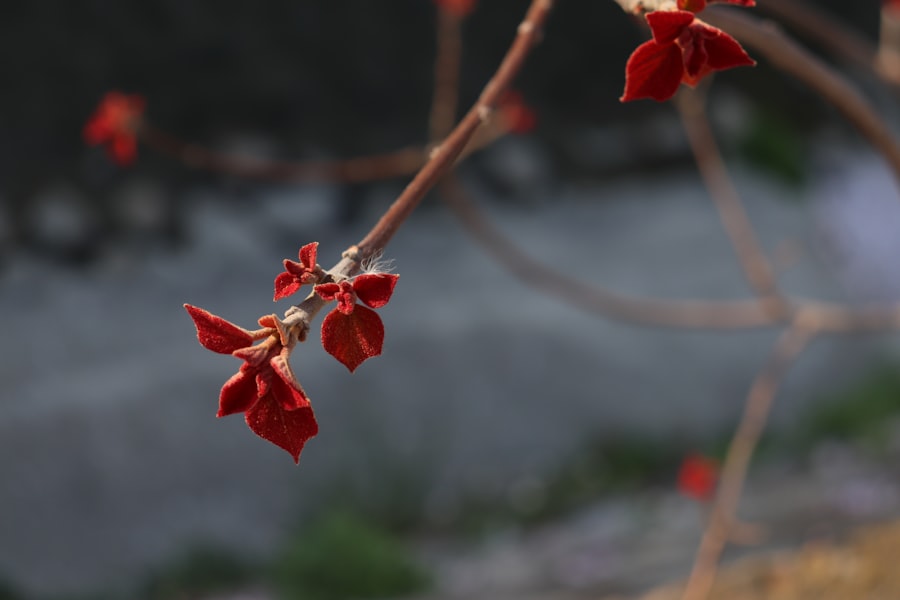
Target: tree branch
pixel 443 157
pixel 734 471
pixel 766 38
pixel 756 266
pixel 447 61
pixel 818 25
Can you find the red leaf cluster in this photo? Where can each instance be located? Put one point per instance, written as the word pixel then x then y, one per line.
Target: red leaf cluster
pixel 274 404
pixel 697 477
pixel 114 123
pixel 352 333
pixel 683 49
pixel 458 8
pixel 297 274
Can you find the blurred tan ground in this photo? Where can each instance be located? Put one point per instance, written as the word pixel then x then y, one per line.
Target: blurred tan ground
pixel 865 567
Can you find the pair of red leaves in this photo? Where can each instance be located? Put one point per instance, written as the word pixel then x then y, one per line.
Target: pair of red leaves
pixel 265 389
pixel 351 332
pixel 684 49
pixel 114 124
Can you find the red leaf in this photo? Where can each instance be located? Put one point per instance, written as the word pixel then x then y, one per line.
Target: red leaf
pixel 297 274
pixel 667 25
pixel 285 386
pixel 697 477
pixel 285 285
pixel 287 429
pixel 328 291
pixel 342 292
pixel 114 124
pixel 375 289
pixel 123 149
pixel 725 52
pixel 217 334
pixel 353 338
pixel 238 394
pixel 308 254
pixel 653 71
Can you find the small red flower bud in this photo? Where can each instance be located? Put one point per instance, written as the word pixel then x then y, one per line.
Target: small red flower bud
pixel 114 124
pixel 697 477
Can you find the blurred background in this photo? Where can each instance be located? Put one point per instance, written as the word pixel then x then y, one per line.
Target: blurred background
pixel 505 445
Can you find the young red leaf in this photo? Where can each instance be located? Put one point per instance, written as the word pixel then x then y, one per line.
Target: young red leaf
pixel 238 394
pixel 114 123
pixel 352 338
pixel 724 51
pixel 285 285
pixel 342 292
pixel 653 71
pixel 297 274
pixel 683 50
pixel 697 477
pixel 667 25
pixel 287 389
pixel 287 429
pixel 217 334
pixel 375 289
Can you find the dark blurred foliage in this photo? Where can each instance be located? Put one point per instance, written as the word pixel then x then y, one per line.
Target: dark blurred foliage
pixel 343 557
pixel 335 77
pixel 201 571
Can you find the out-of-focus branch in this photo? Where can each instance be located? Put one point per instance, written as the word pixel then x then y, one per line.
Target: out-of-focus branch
pixel 734 471
pixel 443 157
pixel 756 266
pixel 375 167
pixel 365 168
pixel 447 62
pixel 440 162
pixel 767 39
pixel 698 314
pixel 816 24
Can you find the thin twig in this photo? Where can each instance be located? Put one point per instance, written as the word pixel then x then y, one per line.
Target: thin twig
pixel 447 62
pixel 756 266
pixel 815 23
pixel 683 313
pixel 440 162
pixel 376 167
pixel 766 38
pixel 740 451
pixel 444 155
pixel 696 314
